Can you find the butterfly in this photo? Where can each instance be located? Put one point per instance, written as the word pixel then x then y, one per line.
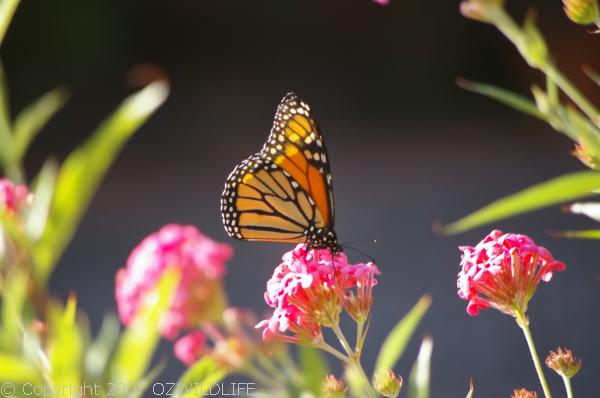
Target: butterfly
pixel 284 193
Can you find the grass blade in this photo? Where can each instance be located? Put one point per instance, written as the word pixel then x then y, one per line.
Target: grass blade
pixel 557 190
pixel 420 375
pixel 84 169
pixel 395 343
pixel 506 97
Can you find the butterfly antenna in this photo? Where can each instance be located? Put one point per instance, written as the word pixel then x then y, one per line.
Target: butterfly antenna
pixel 360 252
pixel 359 241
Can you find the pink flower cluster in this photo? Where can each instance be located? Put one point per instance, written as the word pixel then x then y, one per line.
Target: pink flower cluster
pixel 13 197
pixel 201 264
pixel 503 272
pixel 310 288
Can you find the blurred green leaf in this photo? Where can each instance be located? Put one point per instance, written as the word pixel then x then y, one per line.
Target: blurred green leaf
pixel 584 234
pixel 138 342
pixel 394 344
pixel 419 379
pixel 32 119
pixel 355 383
pixel 314 368
pixel 471 393
pixel 588 135
pixel 142 385
pixel 14 294
pixel 592 74
pixel 566 187
pixel 65 344
pixel 84 169
pixel 14 370
pixel 98 355
pixel 43 191
pixel 506 97
pixel 198 379
pixel 5 125
pixel 7 10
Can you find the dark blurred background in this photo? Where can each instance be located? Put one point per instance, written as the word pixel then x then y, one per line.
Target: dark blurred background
pixel 407 148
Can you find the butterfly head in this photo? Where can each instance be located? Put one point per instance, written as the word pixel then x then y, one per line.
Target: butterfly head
pixel 323 239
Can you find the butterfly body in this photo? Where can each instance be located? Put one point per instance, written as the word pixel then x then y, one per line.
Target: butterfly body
pixel 284 193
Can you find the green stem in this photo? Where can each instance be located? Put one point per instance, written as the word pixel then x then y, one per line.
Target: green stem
pixel 524 325
pixel 259 376
pixel 360 325
pixel 568 88
pixel 503 21
pixel 567 381
pixel 327 348
pixel 353 360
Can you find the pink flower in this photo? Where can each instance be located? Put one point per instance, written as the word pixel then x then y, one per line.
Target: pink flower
pixel 310 288
pixel 13 197
pixel 190 347
pixel 201 264
pixel 382 2
pixel 503 272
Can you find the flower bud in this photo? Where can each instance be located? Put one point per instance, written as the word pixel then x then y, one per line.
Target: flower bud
pixel 582 12
pixel 387 383
pixel 231 352
pixel 190 347
pixel 523 393
pixel 563 362
pixel 586 157
pixel 333 387
pixel 480 10
pixel 536 50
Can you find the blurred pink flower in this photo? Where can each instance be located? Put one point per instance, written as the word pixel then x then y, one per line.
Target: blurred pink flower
pixel 309 289
pixel 503 272
pixel 13 197
pixel 190 347
pixel 201 264
pixel 382 2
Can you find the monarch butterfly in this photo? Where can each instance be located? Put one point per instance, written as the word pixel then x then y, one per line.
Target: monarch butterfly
pixel 284 193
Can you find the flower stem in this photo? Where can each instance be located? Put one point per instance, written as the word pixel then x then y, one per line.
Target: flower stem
pixel 352 359
pixel 524 325
pixel 359 337
pixel 504 22
pixel 567 381
pixel 327 348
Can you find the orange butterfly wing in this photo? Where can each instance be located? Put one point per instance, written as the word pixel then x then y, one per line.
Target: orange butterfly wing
pixel 284 193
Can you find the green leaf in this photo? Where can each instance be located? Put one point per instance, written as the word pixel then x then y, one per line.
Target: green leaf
pixel 314 368
pixel 5 124
pixel 471 393
pixel 84 169
pixel 355 382
pixel 98 355
pixel 14 370
pixel 584 234
pixel 394 344
pixel 7 10
pixel 14 295
pixel 43 191
pixel 198 379
pixel 592 74
pixel 418 381
pixel 65 351
pixel 32 119
pixel 566 187
pixel 139 341
pixel 506 97
pixel 142 385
